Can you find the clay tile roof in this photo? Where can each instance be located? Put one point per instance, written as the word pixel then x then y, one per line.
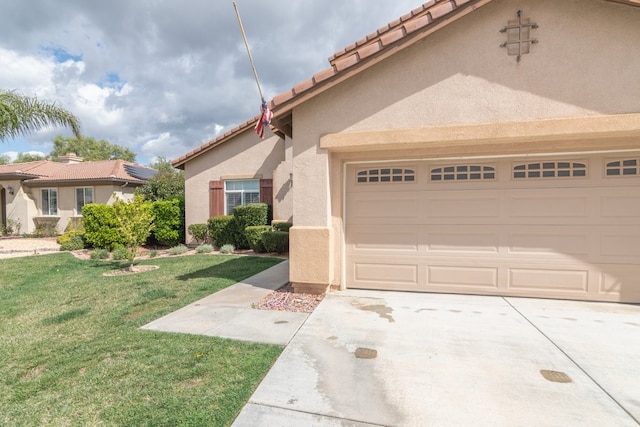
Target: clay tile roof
pixel 48 171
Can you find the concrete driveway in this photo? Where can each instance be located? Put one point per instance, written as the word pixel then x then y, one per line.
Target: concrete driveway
pixel 387 358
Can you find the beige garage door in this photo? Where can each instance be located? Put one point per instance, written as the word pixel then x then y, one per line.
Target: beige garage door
pixel 561 227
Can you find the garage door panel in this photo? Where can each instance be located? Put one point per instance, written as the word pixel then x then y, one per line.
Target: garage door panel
pixel 545 241
pixel 540 204
pixel 383 273
pixel 619 282
pixel 456 239
pixel 384 209
pixel 621 243
pixel 389 205
pixel 621 203
pixel 388 239
pixel 549 280
pixel 463 206
pixel 462 276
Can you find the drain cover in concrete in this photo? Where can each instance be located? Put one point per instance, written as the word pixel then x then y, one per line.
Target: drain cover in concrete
pixel 555 376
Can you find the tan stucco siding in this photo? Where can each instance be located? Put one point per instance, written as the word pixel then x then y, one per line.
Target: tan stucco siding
pixel 584 66
pixel 246 156
pixel 460 75
pixel 18 205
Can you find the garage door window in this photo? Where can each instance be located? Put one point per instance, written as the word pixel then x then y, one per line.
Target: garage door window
pixel 463 173
pixel 550 170
pixel 623 167
pixel 386 175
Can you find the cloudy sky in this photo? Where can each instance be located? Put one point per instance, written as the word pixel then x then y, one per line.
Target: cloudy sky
pixel 162 77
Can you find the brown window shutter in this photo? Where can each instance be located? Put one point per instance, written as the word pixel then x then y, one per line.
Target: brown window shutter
pixel 216 198
pixel 266 191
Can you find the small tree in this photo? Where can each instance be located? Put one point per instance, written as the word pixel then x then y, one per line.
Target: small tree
pixel 135 223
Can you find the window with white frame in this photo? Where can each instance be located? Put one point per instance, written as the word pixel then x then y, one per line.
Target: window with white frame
pixel 49 198
pixel 84 195
pixel 240 192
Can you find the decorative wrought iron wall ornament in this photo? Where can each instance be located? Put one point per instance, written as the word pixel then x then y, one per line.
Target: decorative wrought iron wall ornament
pixel 519 39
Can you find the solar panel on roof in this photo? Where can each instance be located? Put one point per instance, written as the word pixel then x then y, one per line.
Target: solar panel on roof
pixel 140 172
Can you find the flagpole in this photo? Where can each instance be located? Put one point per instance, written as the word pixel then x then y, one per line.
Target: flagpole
pixel 244 37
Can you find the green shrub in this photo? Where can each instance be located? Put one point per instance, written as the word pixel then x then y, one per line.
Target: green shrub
pixel 276 241
pixel 153 254
pixel 68 235
pixel 169 222
pixel 74 243
pixel 249 215
pixel 200 232
pixel 177 250
pixel 282 226
pixel 99 254
pixel 120 253
pixel 252 214
pixel 230 229
pixel 204 249
pixel 222 230
pixel 254 234
pixel 101 226
pixel 227 249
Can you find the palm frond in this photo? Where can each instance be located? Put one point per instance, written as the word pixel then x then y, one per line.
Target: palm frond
pixel 22 115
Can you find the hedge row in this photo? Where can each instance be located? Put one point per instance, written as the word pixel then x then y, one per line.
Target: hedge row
pixel 247 229
pixel 100 226
pixel 230 229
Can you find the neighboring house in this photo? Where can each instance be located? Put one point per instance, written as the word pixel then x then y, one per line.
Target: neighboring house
pixel 480 146
pixel 53 193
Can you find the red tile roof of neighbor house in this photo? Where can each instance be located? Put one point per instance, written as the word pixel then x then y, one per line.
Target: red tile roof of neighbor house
pixel 375 47
pixel 45 171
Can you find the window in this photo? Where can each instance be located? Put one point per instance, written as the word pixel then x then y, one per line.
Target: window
pixel 463 173
pixel 386 175
pixel 550 170
pixel 49 198
pixel 83 196
pixel 623 167
pixel 237 193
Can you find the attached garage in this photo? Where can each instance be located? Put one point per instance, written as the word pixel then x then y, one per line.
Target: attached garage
pixel 557 226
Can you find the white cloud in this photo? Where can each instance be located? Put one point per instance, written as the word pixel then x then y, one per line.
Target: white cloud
pixel 181 72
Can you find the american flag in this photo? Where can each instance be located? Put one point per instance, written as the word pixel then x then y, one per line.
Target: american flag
pixel 265 120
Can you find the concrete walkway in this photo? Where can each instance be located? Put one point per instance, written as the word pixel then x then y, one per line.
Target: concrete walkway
pixel 229 313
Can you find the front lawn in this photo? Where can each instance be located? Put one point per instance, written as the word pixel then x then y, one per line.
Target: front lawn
pixel 72 353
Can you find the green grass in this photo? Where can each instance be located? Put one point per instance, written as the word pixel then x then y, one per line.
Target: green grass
pixel 72 353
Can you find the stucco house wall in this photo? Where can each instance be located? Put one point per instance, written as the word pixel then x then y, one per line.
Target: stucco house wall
pixel 457 77
pixel 246 157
